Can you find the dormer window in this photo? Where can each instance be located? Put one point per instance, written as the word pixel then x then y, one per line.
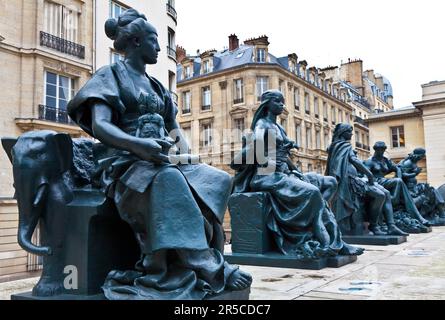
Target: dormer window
pixel 187 72
pixel 261 55
pixel 206 67
pixel 292 66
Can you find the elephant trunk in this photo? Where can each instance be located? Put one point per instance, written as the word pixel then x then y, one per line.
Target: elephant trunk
pixel 28 223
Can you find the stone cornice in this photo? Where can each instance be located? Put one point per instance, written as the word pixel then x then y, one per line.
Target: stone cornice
pixel 411 113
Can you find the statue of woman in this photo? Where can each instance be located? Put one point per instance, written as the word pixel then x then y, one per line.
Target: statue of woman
pixel 300 222
pixel 346 167
pixel 429 201
pixel 175 211
pixel 380 166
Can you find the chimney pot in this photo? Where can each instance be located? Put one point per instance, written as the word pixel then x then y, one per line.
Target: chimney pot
pixel 233 42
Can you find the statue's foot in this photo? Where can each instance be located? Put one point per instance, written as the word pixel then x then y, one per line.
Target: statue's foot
pixel 377 231
pixel 426 223
pixel 47 288
pixel 239 280
pixel 349 250
pixel 393 230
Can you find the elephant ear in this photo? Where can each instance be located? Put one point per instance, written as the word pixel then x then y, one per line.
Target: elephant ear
pixel 8 144
pixel 64 151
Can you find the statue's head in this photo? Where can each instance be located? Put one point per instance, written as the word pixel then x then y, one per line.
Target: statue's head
pixel 380 147
pixel 418 154
pixel 343 131
pixel 271 101
pixel 133 35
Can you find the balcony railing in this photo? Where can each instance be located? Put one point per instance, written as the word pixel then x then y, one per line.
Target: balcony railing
pixel 174 96
pixel 186 111
pixel 54 115
pixel 62 45
pixel 172 12
pixel 359 145
pixel 238 101
pixel 360 120
pixel 171 52
pixel 206 108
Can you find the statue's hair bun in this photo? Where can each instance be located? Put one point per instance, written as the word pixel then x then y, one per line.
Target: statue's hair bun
pixel 111 28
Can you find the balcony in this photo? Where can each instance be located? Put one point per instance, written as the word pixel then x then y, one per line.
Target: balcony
pixel 238 101
pixel 171 52
pixel 174 96
pixel 171 11
pixel 186 111
pixel 361 121
pixel 206 108
pixel 54 115
pixel 359 145
pixel 62 45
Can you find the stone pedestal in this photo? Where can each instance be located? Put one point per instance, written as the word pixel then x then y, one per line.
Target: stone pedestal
pixel 371 240
pixel 252 243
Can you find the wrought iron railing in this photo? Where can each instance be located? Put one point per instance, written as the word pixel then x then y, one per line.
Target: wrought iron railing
pixel 174 96
pixel 62 45
pixel 237 101
pixel 206 108
pixel 359 145
pixel 360 120
pixel 171 52
pixel 172 11
pixel 54 115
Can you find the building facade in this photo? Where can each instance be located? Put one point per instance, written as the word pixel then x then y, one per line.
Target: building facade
pixel 48 50
pixel 219 92
pixel 419 125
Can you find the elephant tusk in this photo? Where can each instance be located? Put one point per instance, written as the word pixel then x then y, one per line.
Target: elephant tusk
pixel 42 191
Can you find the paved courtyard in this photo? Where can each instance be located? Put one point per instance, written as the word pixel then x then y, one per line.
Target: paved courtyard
pixel 414 270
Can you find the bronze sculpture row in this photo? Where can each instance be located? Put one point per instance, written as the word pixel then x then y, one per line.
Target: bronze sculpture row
pixel 169 215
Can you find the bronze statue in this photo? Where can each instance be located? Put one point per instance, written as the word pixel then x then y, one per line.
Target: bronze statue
pixel 353 190
pixel 175 210
pixel 401 199
pixel 301 222
pixel 428 200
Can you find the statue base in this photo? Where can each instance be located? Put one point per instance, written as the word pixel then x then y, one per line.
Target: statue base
pixel 241 295
pixel 370 240
pixel 277 260
pixel 418 231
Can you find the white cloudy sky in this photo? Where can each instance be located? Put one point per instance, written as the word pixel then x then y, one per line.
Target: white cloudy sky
pixel 403 40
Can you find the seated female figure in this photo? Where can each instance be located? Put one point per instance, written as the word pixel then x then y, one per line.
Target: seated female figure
pixel 300 222
pixel 175 210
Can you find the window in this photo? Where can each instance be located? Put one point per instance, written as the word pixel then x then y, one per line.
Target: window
pixel 206 67
pixel 171 44
pixel 316 108
pixel 238 91
pixel 298 134
pixel 262 85
pixel 261 55
pixel 398 137
pixel 206 135
pixel 297 98
pixel 357 135
pixel 340 116
pixel 308 138
pixel 116 10
pixel 348 119
pixel 333 116
pixel 115 57
pixel 317 139
pixel 326 140
pixel 187 133
pixel 325 111
pixel 61 21
pixel 58 90
pixel 187 72
pixel 206 98
pixel 309 167
pixel 292 66
pixel 186 102
pixel 283 123
pixel 307 107
pixel 281 86
pixel 238 125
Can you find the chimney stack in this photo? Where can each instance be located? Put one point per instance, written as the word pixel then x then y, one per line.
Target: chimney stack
pixel 233 42
pixel 181 54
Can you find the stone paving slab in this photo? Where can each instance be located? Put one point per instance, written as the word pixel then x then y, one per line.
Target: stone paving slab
pixel 414 271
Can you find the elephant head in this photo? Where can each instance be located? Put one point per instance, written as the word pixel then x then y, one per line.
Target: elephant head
pixel 38 158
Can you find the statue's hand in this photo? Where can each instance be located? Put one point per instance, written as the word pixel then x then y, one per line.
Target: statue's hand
pixel 371 180
pixel 154 150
